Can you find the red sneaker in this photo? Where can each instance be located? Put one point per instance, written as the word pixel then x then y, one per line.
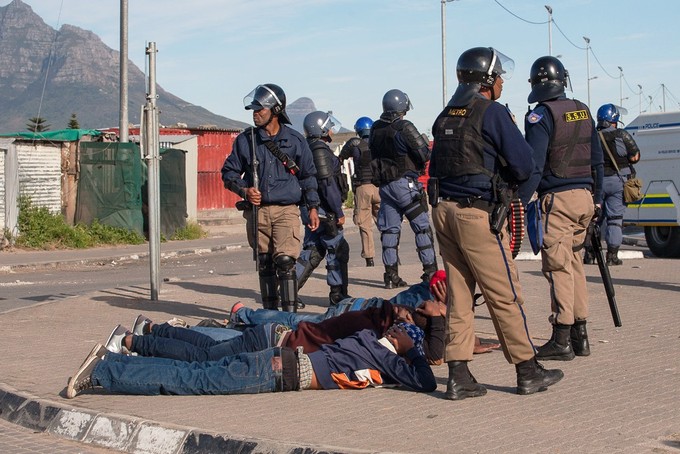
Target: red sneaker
pixel 233 314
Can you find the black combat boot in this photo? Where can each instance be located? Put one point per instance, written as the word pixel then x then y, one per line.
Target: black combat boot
pixel 579 338
pixel 336 295
pixel 589 256
pixel 391 277
pixel 461 383
pixel 369 262
pixel 613 256
pixel 428 271
pixel 559 346
pixel 532 377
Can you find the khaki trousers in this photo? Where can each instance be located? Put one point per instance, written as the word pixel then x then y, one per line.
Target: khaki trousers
pixel 366 206
pixel 473 255
pixel 279 230
pixel 566 216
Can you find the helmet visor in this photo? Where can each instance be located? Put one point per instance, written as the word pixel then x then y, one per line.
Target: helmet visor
pixel 501 65
pixel 261 97
pixel 331 124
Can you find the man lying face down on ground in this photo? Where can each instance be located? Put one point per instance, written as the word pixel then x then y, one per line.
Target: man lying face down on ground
pixel 355 362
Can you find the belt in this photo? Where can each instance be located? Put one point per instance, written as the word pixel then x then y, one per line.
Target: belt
pixel 470 202
pixel 305 370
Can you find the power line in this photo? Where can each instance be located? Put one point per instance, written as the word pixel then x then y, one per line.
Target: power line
pixel 522 19
pixel 49 60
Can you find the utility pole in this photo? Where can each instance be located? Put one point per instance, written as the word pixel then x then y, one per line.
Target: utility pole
pixel 444 95
pixel 640 98
pixel 123 123
pixel 663 96
pixel 621 86
pixel 587 40
pixel 549 29
pixel 151 152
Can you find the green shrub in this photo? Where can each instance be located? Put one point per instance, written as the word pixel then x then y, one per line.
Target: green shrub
pixel 40 229
pixel 191 231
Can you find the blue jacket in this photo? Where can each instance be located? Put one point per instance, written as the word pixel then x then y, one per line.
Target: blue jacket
pixel 502 138
pixel 277 185
pixel 538 129
pixel 359 361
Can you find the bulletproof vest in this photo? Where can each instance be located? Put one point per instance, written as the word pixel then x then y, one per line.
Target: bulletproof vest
pixel 388 164
pixel 621 161
pixel 569 150
pixel 328 166
pixel 458 142
pixel 362 168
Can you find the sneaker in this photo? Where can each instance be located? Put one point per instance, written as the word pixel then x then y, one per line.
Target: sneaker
pixel 233 314
pixel 177 323
pixel 82 379
pixel 114 343
pixel 139 326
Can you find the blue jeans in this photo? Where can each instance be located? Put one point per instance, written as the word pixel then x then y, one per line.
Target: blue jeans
pixel 219 334
pixel 412 297
pixel 247 373
pixel 183 344
pixel 613 209
pixel 400 198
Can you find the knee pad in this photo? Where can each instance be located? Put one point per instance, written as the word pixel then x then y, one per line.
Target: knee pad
pixel 266 265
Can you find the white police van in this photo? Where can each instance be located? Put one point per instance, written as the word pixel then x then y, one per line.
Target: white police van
pixel 658 136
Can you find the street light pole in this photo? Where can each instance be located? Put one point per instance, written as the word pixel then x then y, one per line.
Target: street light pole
pixel 640 97
pixel 549 29
pixel 621 86
pixel 587 40
pixel 444 97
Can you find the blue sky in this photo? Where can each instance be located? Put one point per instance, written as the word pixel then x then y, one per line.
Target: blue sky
pixel 345 54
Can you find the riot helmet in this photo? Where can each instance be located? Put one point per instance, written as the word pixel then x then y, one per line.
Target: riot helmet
pixel 363 126
pixel 608 113
pixel 479 67
pixel 548 79
pixel 396 101
pixel 320 124
pixel 268 96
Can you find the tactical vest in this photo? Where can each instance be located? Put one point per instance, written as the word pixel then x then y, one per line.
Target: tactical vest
pixel 570 147
pixel 458 142
pixel 328 166
pixel 388 164
pixel 621 161
pixel 362 168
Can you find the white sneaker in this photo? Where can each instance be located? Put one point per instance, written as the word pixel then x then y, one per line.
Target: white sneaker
pixel 140 324
pixel 82 379
pixel 114 343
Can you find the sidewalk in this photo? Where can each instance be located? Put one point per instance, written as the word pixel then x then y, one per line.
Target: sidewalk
pixel 621 399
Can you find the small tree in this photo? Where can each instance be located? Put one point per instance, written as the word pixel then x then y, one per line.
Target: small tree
pixel 73 122
pixel 37 124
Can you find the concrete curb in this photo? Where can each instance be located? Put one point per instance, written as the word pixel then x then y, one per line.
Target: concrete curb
pixel 133 435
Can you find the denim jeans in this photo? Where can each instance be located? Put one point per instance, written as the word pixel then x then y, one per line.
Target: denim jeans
pixel 183 344
pixel 247 373
pixel 219 334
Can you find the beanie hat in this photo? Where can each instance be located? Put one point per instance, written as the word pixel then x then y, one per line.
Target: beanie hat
pixel 416 334
pixel 439 275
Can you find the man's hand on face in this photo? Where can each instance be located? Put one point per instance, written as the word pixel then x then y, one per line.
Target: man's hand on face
pixel 400 339
pixel 403 314
pixel 431 308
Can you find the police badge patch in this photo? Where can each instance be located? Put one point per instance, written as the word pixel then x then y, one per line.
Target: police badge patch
pixel 534 117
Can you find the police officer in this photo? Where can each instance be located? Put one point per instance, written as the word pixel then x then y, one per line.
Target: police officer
pixel 567 152
pixel 399 155
pixel 478 155
pixel 328 240
pixel 618 166
pixel 286 179
pixel 366 196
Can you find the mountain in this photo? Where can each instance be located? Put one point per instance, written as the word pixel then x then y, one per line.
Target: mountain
pixel 79 74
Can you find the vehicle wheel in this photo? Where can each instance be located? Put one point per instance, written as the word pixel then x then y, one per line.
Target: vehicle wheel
pixel 663 241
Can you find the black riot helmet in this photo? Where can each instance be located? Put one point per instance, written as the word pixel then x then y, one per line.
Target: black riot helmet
pixel 548 79
pixel 479 67
pixel 268 96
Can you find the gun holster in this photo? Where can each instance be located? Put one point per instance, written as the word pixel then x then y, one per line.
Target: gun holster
pixel 498 216
pixel 330 223
pixel 433 191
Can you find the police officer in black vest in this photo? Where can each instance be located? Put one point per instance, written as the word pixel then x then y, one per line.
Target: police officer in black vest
pixel 366 196
pixel 328 240
pixel 478 155
pixel 567 152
